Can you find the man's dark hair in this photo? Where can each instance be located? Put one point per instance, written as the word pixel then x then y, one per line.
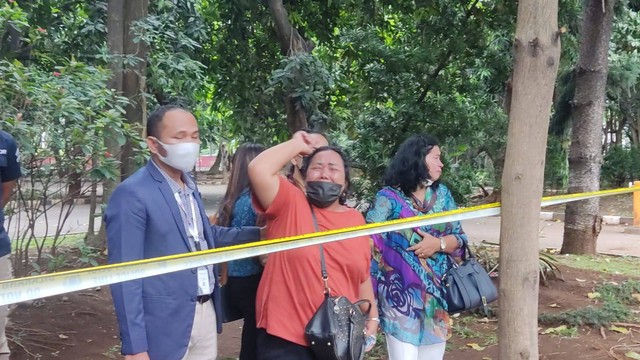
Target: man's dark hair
pixel 154 120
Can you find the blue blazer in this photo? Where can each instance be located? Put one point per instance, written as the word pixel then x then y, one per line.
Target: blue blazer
pixel 155 314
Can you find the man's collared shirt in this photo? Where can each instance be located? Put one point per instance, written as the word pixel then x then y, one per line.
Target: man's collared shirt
pixel 188 205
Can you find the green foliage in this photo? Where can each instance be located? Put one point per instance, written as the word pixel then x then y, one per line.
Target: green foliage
pixel 89 256
pixel 305 78
pixel 175 32
pixel 485 338
pixel 548 266
pixel 58 110
pixel 379 351
pixel 626 265
pixel 488 257
pixel 622 293
pixel 563 331
pixel 241 57
pixel 379 72
pixel 621 165
pixel 556 166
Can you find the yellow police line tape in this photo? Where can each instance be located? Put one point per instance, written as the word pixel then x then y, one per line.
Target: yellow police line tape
pixel 23 289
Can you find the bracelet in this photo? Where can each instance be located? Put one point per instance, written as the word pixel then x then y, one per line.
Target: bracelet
pixel 373 319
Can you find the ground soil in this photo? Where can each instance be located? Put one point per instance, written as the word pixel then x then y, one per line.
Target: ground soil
pixel 82 325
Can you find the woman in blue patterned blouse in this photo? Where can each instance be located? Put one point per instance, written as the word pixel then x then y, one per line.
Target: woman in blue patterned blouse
pixel 408 265
pixel 243 275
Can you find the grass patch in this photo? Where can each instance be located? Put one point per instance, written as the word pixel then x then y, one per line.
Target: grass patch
pixel 379 351
pixel 627 293
pixel 113 352
pixel 619 265
pixel 70 241
pixel 615 308
pixel 483 338
pixel 591 316
pixel 562 331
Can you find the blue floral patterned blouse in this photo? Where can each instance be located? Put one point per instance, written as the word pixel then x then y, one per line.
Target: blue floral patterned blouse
pixel 408 289
pixel 243 215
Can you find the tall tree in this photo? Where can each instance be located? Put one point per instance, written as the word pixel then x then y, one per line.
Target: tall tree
pixel 134 78
pixel 115 43
pixel 128 79
pixel 537 57
pixel 291 44
pixel 582 219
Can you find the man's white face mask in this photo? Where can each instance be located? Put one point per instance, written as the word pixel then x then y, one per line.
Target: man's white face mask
pixel 181 156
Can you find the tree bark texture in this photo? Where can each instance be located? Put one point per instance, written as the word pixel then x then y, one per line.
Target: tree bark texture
pixel 537 56
pixel 115 40
pixel 133 80
pixel 222 154
pixel 291 43
pixel 582 218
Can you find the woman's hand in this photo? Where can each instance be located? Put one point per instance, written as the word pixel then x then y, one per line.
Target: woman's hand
pixel 370 333
pixel 263 259
pixel 427 247
pixel 305 139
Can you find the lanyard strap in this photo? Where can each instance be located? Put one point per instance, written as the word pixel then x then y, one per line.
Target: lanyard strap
pixel 193 227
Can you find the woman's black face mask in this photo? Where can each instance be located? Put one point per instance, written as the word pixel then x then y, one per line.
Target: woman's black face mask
pixel 323 193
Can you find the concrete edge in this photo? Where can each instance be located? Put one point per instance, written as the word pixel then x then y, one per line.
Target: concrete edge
pixel 606 219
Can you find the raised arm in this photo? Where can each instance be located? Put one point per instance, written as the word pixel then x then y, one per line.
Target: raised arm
pixel 264 169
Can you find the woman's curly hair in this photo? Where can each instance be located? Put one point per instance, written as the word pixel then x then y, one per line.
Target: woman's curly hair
pixel 407 169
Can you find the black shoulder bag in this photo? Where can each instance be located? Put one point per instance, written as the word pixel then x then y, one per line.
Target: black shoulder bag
pixel 468 286
pixel 336 330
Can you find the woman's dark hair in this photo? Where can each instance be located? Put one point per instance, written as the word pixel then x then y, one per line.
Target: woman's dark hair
pixel 345 161
pixel 155 118
pixel 238 181
pixel 292 168
pixel 408 169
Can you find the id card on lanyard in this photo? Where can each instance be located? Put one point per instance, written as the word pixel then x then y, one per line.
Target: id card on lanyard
pixel 204 287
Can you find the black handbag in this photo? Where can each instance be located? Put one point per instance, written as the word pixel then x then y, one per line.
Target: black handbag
pixel 230 312
pixel 467 285
pixel 336 330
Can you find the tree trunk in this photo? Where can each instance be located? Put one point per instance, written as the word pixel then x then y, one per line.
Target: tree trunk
pixel 91 238
pixel 222 154
pixel 115 39
pixel 582 218
pixel 73 179
pixel 133 81
pixel 537 56
pixel 291 43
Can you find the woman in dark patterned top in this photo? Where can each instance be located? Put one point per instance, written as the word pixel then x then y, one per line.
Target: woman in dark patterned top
pixel 243 276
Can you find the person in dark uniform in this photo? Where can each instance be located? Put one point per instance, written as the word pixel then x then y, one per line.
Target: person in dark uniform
pixel 9 174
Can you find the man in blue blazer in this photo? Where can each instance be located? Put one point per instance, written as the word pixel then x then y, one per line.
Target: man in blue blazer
pixel 158 211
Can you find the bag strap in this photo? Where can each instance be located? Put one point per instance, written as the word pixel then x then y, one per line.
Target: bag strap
pixel 323 266
pixel 485 306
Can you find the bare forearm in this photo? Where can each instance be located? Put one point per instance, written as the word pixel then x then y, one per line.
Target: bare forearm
pixel 263 170
pixel 451 242
pixel 7 191
pixel 366 293
pixel 270 161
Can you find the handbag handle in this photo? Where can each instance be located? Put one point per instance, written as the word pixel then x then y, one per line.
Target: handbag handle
pixel 323 266
pixel 466 254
